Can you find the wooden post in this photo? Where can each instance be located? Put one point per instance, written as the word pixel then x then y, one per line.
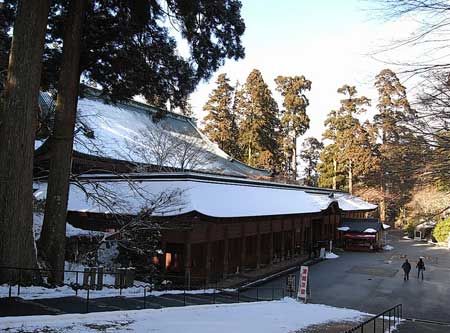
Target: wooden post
pixel 129 277
pixel 188 261
pixel 225 253
pixel 100 278
pixel 283 241
pixel 271 243
pixel 243 248
pixel 93 273
pixel 293 238
pixel 86 273
pixel 258 246
pixel 208 252
pixel 163 259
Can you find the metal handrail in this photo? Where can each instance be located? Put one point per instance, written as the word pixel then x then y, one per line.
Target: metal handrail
pixel 146 288
pixel 366 326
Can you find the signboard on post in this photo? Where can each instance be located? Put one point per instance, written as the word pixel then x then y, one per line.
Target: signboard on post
pixel 303 283
pixel 290 284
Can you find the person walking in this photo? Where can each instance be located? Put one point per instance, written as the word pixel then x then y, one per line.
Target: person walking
pixel 420 267
pixel 406 269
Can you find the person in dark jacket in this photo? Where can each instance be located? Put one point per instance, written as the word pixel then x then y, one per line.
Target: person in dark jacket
pixel 420 268
pixel 406 269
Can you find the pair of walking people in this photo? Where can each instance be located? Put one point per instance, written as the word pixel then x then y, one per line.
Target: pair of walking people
pixel 407 268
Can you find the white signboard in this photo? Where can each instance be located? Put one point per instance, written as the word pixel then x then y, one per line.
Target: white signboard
pixel 290 285
pixel 303 283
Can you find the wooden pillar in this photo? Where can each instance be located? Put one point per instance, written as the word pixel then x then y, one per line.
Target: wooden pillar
pixel 243 260
pixel 293 230
pixel 208 252
pixel 187 261
pixel 271 243
pixel 283 241
pixel 225 252
pixel 258 246
pixel 163 258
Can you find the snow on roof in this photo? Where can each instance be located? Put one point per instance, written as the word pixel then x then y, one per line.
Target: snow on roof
pixel 38 220
pixel 365 225
pixel 211 198
pixel 109 130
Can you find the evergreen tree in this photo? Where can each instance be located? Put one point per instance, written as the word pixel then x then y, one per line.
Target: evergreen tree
pixel 18 102
pixel 310 154
pixel 126 49
pixel 6 17
pixel 396 150
pixel 352 142
pixel 220 122
pixel 52 240
pixel 294 120
pixel 331 174
pixel 258 131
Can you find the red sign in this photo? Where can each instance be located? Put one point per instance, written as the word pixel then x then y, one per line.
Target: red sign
pixel 303 282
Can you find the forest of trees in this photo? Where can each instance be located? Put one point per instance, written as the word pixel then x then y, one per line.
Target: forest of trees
pixel 248 124
pixel 386 159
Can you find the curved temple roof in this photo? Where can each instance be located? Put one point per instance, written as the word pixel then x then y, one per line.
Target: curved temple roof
pixel 123 131
pixel 215 198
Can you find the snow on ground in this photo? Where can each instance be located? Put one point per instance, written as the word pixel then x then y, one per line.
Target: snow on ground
pixel 331 255
pixel 388 247
pixel 286 315
pixel 39 292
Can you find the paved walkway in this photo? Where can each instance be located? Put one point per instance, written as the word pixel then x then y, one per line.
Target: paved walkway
pixel 373 282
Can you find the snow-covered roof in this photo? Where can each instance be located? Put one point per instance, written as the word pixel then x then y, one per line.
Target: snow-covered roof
pixel 108 130
pixel 71 231
pixel 208 196
pixel 368 226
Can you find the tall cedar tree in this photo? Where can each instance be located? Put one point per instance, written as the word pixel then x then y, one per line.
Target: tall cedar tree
pixel 352 148
pixel 259 128
pixel 294 120
pixel 18 104
pixel 310 154
pixel 331 174
pixel 396 150
pixel 127 50
pixel 220 122
pixel 51 243
pixel 6 17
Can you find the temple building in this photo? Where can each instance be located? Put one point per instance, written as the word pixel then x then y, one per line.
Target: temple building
pixel 224 217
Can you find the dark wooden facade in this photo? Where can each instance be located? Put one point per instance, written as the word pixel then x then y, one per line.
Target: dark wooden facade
pixel 209 249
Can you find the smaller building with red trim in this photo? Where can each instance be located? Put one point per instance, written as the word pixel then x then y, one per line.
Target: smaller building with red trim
pixel 362 234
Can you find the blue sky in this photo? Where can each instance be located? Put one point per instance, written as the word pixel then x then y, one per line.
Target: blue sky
pixel 325 40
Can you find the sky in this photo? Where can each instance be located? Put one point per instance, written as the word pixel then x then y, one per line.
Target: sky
pixel 327 41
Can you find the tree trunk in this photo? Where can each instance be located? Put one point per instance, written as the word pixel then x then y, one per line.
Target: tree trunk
pixel 53 236
pixel 17 109
pixel 294 161
pixel 334 173
pixel 383 198
pixel 350 177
